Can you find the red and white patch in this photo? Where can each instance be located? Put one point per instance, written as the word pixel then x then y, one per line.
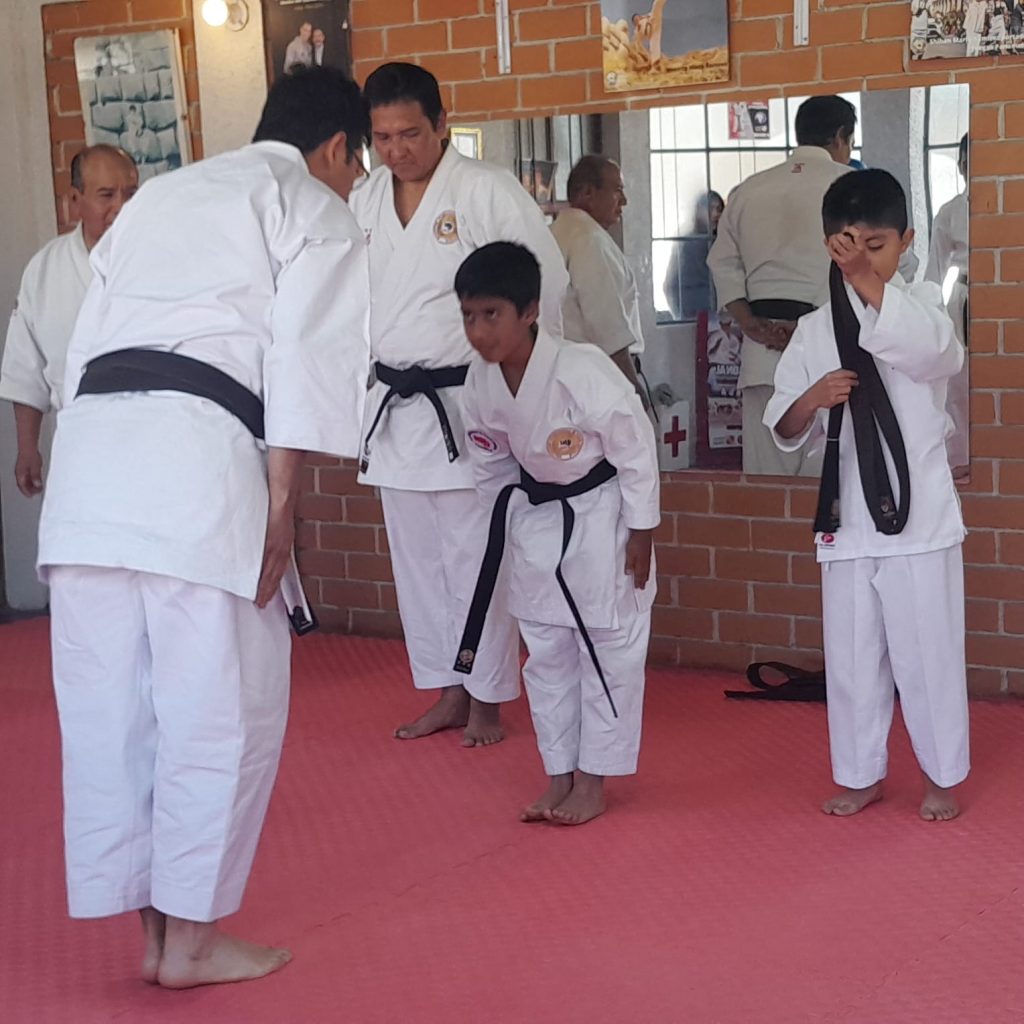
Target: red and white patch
pixel 827 540
pixel 482 441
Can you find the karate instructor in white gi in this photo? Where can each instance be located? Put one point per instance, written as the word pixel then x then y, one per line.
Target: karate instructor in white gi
pixel 223 337
pixel 770 267
pixel 423 212
pixel 103 179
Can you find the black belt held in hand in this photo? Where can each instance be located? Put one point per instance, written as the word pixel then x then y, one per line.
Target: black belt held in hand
pixel 872 413
pixel 417 380
pixel 538 493
pixel 780 309
pixel 147 369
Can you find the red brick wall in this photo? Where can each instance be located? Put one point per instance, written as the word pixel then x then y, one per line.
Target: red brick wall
pixel 62 25
pixel 737 575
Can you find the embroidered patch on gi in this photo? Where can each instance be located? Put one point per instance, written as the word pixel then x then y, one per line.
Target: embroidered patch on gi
pixel 827 540
pixel 466 658
pixel 446 228
pixel 368 234
pixel 482 441
pixel 797 169
pixel 565 443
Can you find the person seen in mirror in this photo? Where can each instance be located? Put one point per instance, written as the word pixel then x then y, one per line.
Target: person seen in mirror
pixel 891 560
pixel 769 267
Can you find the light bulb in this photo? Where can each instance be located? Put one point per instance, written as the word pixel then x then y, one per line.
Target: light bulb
pixel 215 12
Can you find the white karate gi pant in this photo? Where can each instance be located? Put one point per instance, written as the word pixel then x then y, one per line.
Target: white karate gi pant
pixel 896 620
pixel 437 541
pixel 761 455
pixel 172 699
pixel 571 715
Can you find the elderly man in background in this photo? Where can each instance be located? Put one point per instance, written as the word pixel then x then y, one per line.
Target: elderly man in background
pixel 53 286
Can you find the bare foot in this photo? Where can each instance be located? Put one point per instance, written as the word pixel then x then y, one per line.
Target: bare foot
pixel 852 801
pixel 450 712
pixel 938 804
pixel 484 725
pixel 560 788
pixel 586 801
pixel 154 925
pixel 201 954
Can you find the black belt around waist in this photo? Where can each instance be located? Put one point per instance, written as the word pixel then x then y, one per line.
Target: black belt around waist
pixel 780 309
pixel 538 493
pixel 417 380
pixel 146 369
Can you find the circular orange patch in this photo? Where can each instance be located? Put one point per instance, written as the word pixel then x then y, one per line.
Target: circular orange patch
pixel 565 443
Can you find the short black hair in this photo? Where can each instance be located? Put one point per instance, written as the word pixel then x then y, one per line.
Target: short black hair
pixel 589 172
pixel 872 197
pixel 500 270
pixel 310 105
pixel 819 118
pixel 399 82
pixel 82 157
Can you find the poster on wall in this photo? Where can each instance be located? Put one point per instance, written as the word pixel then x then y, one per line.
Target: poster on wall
pixel 749 121
pixel 965 28
pixel 307 32
pixel 719 438
pixel 133 96
pixel 674 42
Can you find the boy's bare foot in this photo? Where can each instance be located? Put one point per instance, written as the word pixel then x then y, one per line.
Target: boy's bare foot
pixel 154 925
pixel 450 712
pixel 938 804
pixel 484 725
pixel 852 801
pixel 557 791
pixel 586 801
pixel 200 954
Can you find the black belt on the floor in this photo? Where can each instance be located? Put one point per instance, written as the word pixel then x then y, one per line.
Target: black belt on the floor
pixel 872 413
pixel 539 494
pixel 146 369
pixel 780 309
pixel 417 380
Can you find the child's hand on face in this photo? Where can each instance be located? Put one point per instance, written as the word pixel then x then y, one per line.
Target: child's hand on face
pixel 849 253
pixel 638 556
pixel 833 389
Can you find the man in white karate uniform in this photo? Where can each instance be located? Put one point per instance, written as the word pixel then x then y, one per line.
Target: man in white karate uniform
pixel 602 305
pixel 889 528
pixel 423 212
pixel 770 267
pixel 53 287
pixel 975 18
pixel 948 250
pixel 224 335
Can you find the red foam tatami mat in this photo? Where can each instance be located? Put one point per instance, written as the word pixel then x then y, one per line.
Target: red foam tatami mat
pixel 398 873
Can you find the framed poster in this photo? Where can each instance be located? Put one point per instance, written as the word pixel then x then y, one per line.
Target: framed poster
pixel 133 96
pixel 308 32
pixel 965 28
pixel 675 42
pixel 719 402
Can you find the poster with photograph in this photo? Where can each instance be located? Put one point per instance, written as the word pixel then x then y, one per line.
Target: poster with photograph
pixel 749 120
pixel 308 32
pixel 674 42
pixel 965 28
pixel 725 409
pixel 538 178
pixel 133 96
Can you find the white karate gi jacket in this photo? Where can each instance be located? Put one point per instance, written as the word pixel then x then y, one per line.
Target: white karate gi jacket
pixel 574 408
pixel 916 351
pixel 948 246
pixel 52 290
pixel 415 318
pixel 771 245
pixel 602 305
pixel 248 263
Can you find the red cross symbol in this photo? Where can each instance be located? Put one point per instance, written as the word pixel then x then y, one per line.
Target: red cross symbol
pixel 675 437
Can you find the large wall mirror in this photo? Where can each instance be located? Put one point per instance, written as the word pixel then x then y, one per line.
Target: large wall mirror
pixel 680 164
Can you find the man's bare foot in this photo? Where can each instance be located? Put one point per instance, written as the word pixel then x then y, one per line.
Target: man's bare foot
pixel 200 954
pixel 586 801
pixel 938 804
pixel 450 712
pixel 557 791
pixel 484 725
pixel 852 801
pixel 154 925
